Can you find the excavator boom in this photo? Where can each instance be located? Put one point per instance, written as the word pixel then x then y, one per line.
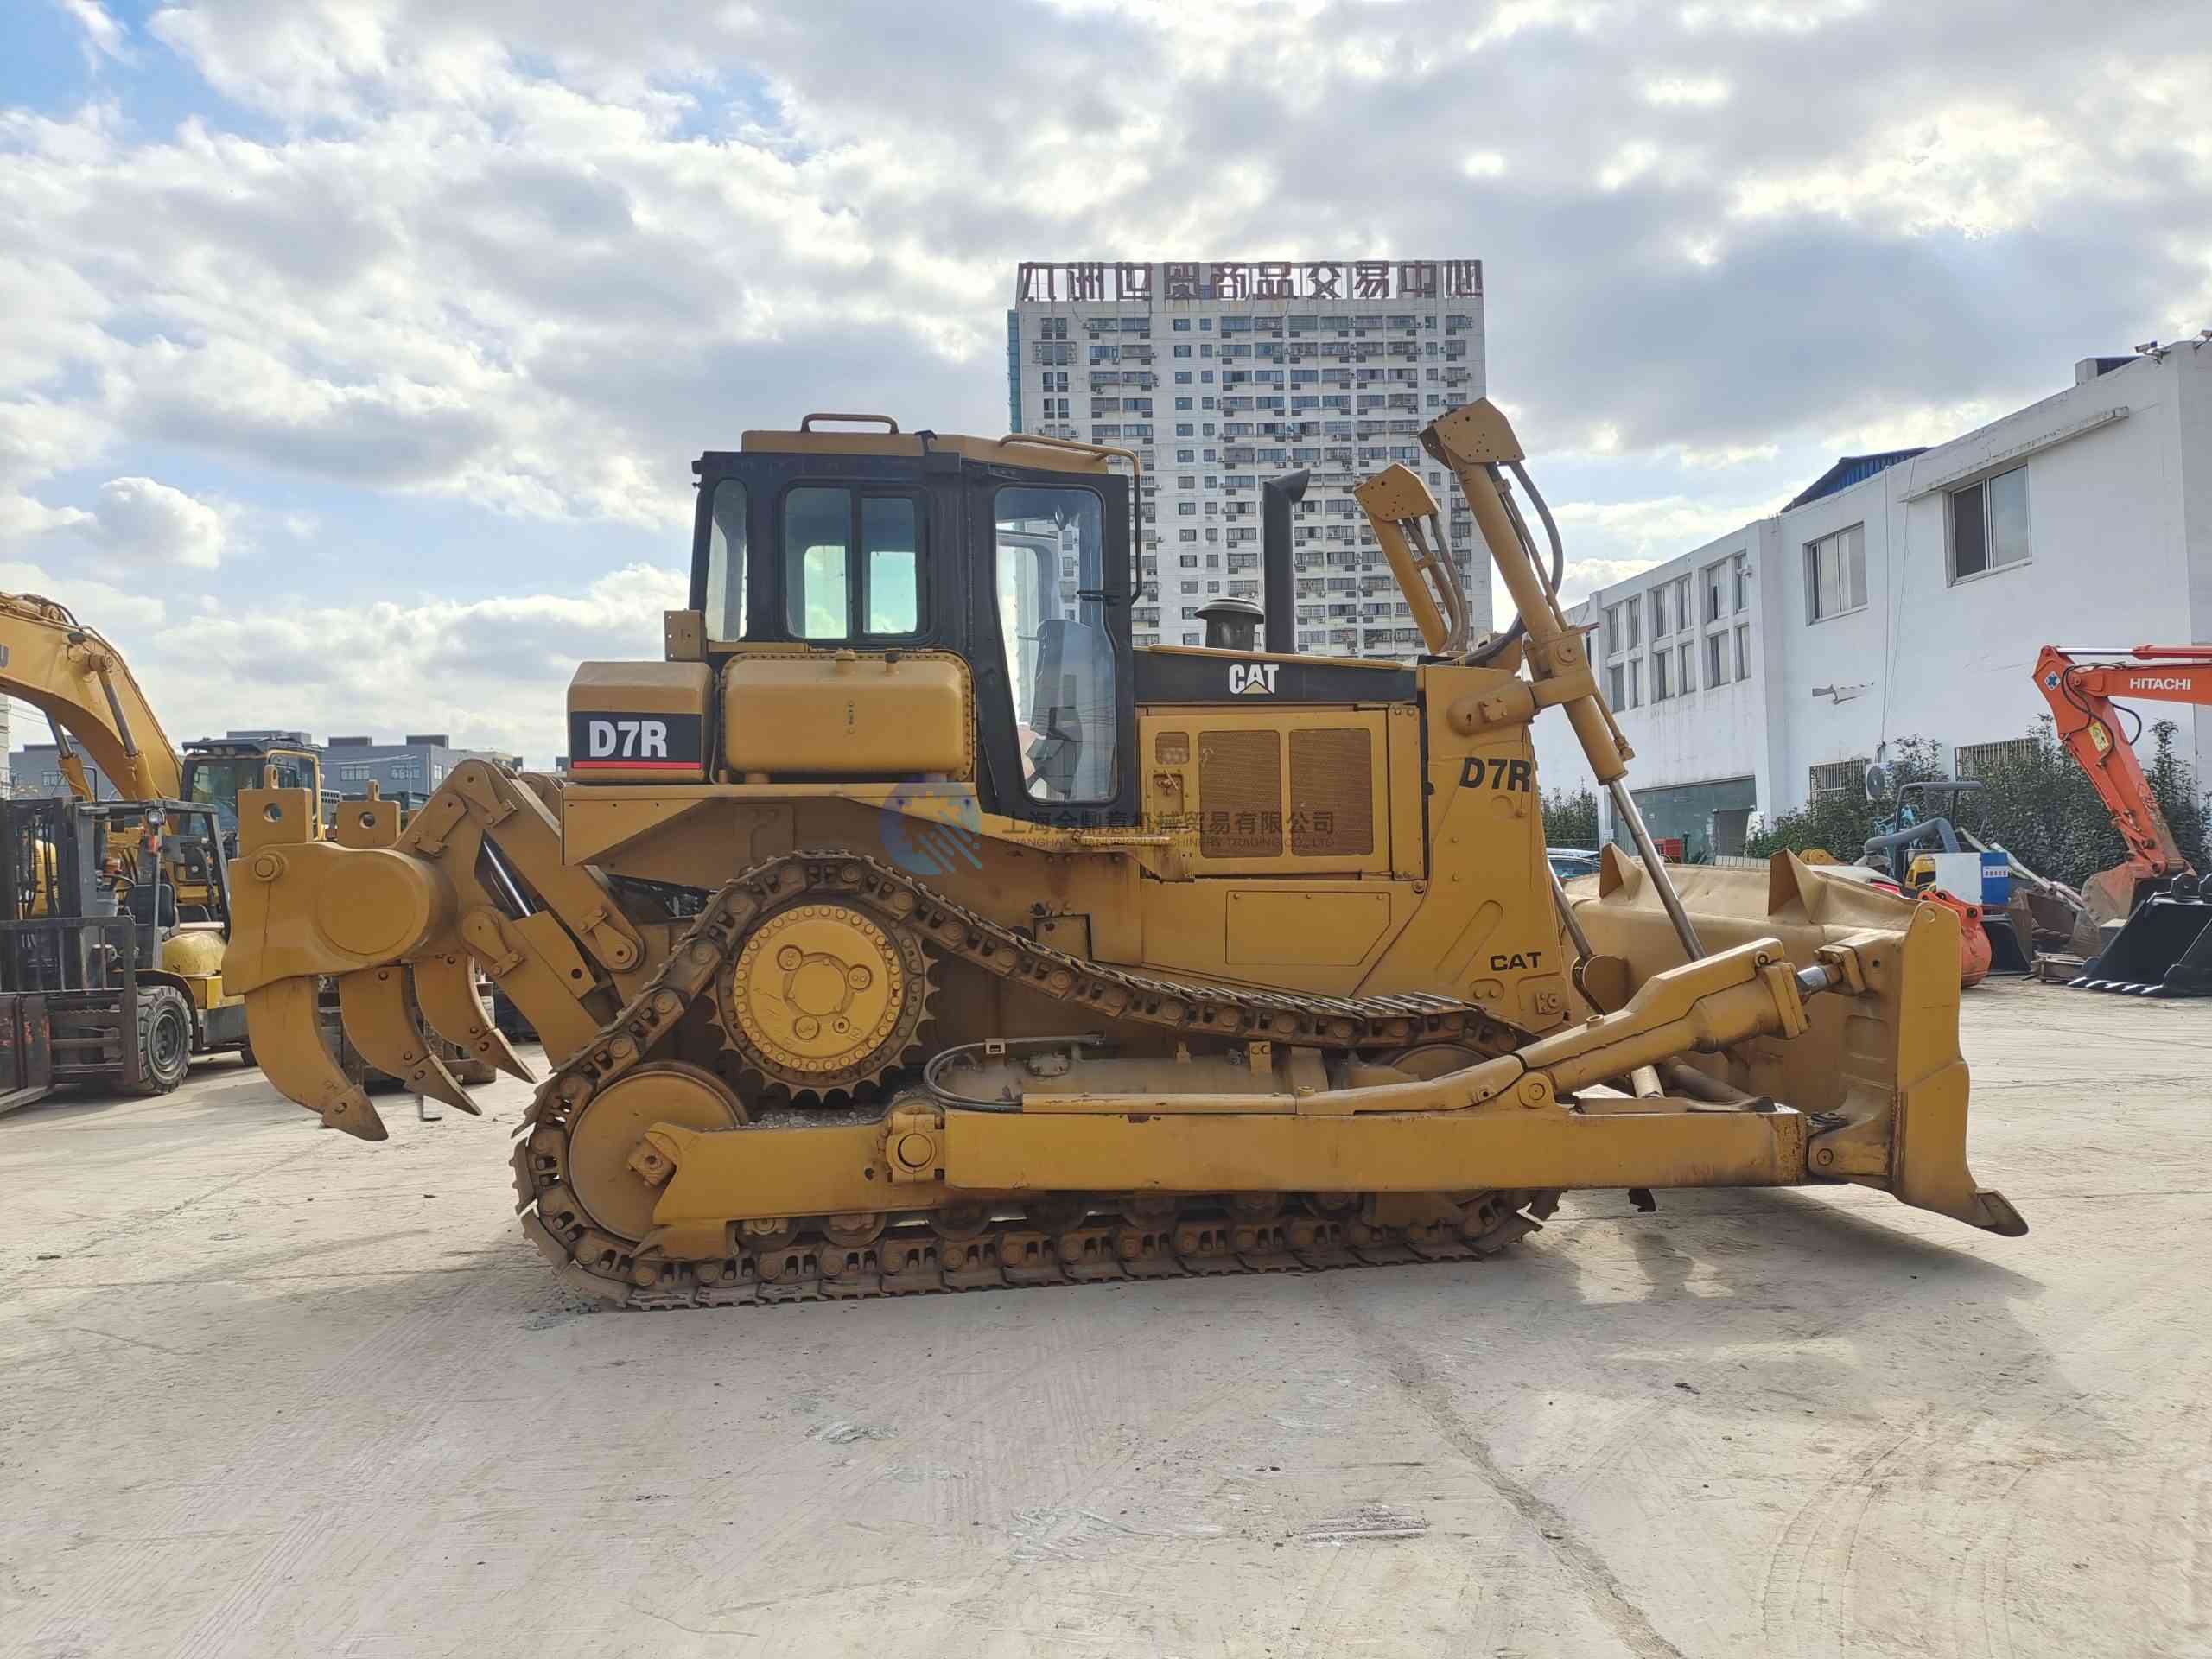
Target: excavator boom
pixel 2165 946
pixel 81 683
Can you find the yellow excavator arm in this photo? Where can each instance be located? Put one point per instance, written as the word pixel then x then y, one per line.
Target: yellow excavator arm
pixel 81 683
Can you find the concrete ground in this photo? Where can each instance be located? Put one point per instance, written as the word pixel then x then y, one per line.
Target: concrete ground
pixel 268 1391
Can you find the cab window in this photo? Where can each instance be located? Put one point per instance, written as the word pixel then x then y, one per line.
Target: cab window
pixel 1061 663
pixel 852 563
pixel 726 561
pixel 216 780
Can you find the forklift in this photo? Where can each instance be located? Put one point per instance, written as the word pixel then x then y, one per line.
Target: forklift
pixel 113 916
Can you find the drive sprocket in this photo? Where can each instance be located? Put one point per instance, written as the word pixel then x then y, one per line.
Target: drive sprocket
pixel 821 998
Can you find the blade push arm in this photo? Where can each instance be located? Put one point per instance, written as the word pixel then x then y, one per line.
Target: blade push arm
pixel 2084 715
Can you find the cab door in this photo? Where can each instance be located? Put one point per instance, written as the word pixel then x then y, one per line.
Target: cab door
pixel 1049 642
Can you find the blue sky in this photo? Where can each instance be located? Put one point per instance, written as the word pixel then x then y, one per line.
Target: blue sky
pixel 354 352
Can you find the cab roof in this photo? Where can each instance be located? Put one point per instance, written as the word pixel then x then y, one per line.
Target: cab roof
pixel 1018 449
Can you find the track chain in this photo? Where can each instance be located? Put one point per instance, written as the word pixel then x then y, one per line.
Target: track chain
pixel 1054 1240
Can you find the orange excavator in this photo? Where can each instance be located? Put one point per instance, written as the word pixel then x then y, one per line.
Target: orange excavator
pixel 2165 946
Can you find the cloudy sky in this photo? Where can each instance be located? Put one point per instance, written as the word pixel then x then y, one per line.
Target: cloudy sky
pixel 354 352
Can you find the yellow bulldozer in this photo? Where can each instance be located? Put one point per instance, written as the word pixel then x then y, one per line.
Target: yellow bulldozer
pixel 906 928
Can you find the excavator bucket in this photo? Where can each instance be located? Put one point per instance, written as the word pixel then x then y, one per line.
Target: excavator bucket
pixel 2163 949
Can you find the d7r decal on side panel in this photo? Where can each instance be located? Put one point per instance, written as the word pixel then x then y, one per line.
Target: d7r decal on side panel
pixel 618 741
pixel 1497 772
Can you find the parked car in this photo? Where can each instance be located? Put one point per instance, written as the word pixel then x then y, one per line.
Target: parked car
pixel 1567 863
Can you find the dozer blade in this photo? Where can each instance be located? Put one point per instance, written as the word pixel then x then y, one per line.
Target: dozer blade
pixel 2165 948
pixel 283 1023
pixel 373 1001
pixel 1880 1062
pixel 445 991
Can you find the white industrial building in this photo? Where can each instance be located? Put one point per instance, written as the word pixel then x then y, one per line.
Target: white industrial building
pixel 1907 594
pixel 1222 375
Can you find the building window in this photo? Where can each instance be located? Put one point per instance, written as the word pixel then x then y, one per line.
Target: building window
pixel 1636 682
pixel 1615 644
pixel 1743 651
pixel 1989 524
pixel 1838 778
pixel 1689 670
pixel 1658 621
pixel 1835 574
pixel 1979 760
pixel 354 772
pixel 1740 574
pixel 1715 590
pixel 1617 685
pixel 1716 660
pixel 1635 615
pixel 1661 687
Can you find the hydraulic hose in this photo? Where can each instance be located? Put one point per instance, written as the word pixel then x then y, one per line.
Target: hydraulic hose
pixel 1528 545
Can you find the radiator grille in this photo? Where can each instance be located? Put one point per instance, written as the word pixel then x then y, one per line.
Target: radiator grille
pixel 1240 795
pixel 1331 793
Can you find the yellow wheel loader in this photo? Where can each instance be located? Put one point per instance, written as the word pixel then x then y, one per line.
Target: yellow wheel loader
pixel 906 929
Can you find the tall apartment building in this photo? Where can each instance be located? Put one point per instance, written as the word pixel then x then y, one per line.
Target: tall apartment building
pixel 1220 376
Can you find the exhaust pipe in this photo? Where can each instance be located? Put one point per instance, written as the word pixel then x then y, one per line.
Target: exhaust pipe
pixel 1277 497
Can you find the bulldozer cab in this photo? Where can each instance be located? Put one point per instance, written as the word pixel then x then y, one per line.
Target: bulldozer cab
pixel 215 769
pixel 1013 555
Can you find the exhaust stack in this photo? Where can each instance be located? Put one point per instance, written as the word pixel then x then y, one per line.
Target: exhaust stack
pixel 1277 497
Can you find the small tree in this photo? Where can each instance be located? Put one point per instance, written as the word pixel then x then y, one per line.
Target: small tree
pixel 2035 801
pixel 1570 820
pixel 1839 822
pixel 2188 808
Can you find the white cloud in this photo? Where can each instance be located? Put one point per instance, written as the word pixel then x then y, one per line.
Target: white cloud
pixel 103 34
pixel 530 256
pixel 490 672
pixel 1582 577
pixel 106 606
pixel 1648 531
pixel 145 523
pixel 137 532
pixel 1698 91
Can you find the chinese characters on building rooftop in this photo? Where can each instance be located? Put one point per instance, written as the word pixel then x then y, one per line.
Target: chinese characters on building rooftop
pixel 1340 279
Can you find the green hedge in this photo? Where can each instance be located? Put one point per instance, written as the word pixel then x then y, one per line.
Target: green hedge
pixel 2038 805
pixel 1571 820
